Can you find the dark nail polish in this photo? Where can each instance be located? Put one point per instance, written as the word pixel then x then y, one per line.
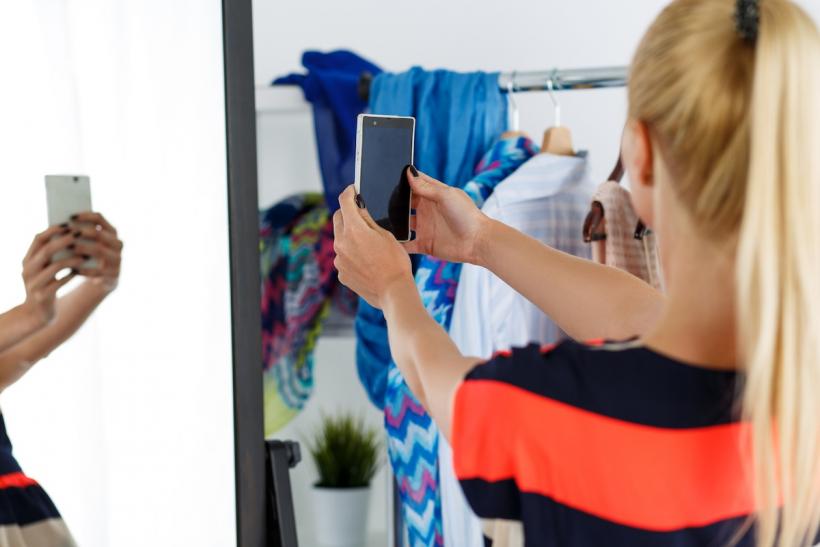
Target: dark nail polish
pixel 77 234
pixel 414 170
pixel 86 257
pixel 64 225
pixel 75 217
pixel 359 201
pixel 71 247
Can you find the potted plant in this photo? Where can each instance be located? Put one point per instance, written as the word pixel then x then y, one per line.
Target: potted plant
pixel 347 455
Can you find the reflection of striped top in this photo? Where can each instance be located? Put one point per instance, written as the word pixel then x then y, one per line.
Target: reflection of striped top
pixel 603 444
pixel 28 518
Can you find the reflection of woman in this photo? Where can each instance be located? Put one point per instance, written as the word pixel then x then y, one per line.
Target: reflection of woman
pixel 712 415
pixel 30 332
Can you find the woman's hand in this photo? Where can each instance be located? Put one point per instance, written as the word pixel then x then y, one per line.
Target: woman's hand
pixel 369 259
pixel 99 240
pixel 447 223
pixel 40 273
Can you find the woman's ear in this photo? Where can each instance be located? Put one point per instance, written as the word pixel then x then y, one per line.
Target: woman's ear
pixel 637 153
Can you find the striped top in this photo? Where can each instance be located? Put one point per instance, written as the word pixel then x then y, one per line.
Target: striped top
pixel 604 444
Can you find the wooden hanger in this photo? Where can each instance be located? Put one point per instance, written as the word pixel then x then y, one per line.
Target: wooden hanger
pixel 558 138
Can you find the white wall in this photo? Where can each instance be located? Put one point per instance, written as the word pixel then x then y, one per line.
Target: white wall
pixel 459 35
pixel 129 425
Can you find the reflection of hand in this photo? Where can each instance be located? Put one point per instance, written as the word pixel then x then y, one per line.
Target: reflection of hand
pixel 447 223
pixel 99 241
pixel 368 258
pixel 40 274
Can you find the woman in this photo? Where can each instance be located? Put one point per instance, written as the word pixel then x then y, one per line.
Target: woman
pixel 705 430
pixel 30 332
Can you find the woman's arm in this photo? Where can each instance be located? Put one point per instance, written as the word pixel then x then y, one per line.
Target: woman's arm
pixel 41 284
pixel 89 236
pixel 586 300
pixel 72 311
pixel 373 264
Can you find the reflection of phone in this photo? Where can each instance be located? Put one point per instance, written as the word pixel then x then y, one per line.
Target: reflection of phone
pixel 384 150
pixel 68 195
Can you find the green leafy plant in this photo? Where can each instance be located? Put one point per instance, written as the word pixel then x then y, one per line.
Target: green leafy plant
pixel 346 452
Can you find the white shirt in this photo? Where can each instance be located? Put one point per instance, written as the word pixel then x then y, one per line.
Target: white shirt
pixel 548 198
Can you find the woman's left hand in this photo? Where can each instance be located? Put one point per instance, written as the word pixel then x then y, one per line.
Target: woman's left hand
pixel 99 240
pixel 369 259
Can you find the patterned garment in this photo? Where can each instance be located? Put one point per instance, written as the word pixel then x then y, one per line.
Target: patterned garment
pixel 410 431
pixel 458 117
pixel 614 242
pixel 28 517
pixel 298 286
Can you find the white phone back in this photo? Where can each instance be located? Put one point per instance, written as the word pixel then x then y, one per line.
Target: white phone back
pixel 68 195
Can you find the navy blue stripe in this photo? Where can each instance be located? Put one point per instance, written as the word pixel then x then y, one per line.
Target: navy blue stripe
pixel 548 523
pixel 634 385
pixel 25 506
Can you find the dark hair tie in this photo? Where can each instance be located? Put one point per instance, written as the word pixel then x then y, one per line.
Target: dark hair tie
pixel 747 19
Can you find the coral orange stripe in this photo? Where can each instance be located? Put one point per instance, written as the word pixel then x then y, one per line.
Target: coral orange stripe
pixel 15 480
pixel 631 474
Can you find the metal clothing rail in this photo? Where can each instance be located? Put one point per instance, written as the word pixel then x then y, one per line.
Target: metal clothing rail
pixel 567 79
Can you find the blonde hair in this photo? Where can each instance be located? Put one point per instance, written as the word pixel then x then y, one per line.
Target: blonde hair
pixel 739 124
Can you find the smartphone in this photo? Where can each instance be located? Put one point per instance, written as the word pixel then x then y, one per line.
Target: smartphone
pixel 68 195
pixel 384 151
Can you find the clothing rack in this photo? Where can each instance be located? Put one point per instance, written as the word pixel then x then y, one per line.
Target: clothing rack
pixel 563 79
pixel 543 80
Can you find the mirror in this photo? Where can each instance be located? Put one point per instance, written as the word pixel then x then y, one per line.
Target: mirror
pixel 129 425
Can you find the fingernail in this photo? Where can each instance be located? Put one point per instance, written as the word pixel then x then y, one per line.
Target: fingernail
pixel 71 247
pixel 414 170
pixel 86 256
pixel 64 225
pixel 75 217
pixel 77 234
pixel 359 201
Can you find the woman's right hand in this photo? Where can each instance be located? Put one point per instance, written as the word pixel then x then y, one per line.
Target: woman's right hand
pixel 447 223
pixel 40 273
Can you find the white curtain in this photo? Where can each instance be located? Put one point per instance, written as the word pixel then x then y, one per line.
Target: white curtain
pixel 129 426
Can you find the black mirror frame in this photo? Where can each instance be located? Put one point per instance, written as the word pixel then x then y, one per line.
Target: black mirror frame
pixel 243 205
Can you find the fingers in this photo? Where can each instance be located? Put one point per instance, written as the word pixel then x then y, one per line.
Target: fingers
pixel 43 237
pixel 57 284
pixel 97 250
pixel 412 247
pixel 109 239
pixel 95 218
pixel 45 277
pixel 347 202
pixel 42 257
pixel 425 187
pixel 338 224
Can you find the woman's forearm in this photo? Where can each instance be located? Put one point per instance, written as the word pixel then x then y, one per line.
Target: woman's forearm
pixel 585 299
pixel 17 324
pixel 428 359
pixel 72 311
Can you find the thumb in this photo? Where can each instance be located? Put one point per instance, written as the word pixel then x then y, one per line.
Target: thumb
pixel 424 186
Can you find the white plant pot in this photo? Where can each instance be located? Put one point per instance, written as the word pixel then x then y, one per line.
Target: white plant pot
pixel 341 516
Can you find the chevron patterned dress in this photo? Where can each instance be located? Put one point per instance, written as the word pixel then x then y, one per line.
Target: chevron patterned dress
pixel 412 435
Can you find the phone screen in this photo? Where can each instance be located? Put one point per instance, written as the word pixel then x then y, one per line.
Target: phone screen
pixel 386 152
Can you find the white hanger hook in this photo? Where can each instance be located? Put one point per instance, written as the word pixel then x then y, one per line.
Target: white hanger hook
pixel 550 88
pixel 515 118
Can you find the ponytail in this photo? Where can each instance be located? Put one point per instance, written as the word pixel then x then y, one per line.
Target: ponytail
pixel 739 124
pixel 778 277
